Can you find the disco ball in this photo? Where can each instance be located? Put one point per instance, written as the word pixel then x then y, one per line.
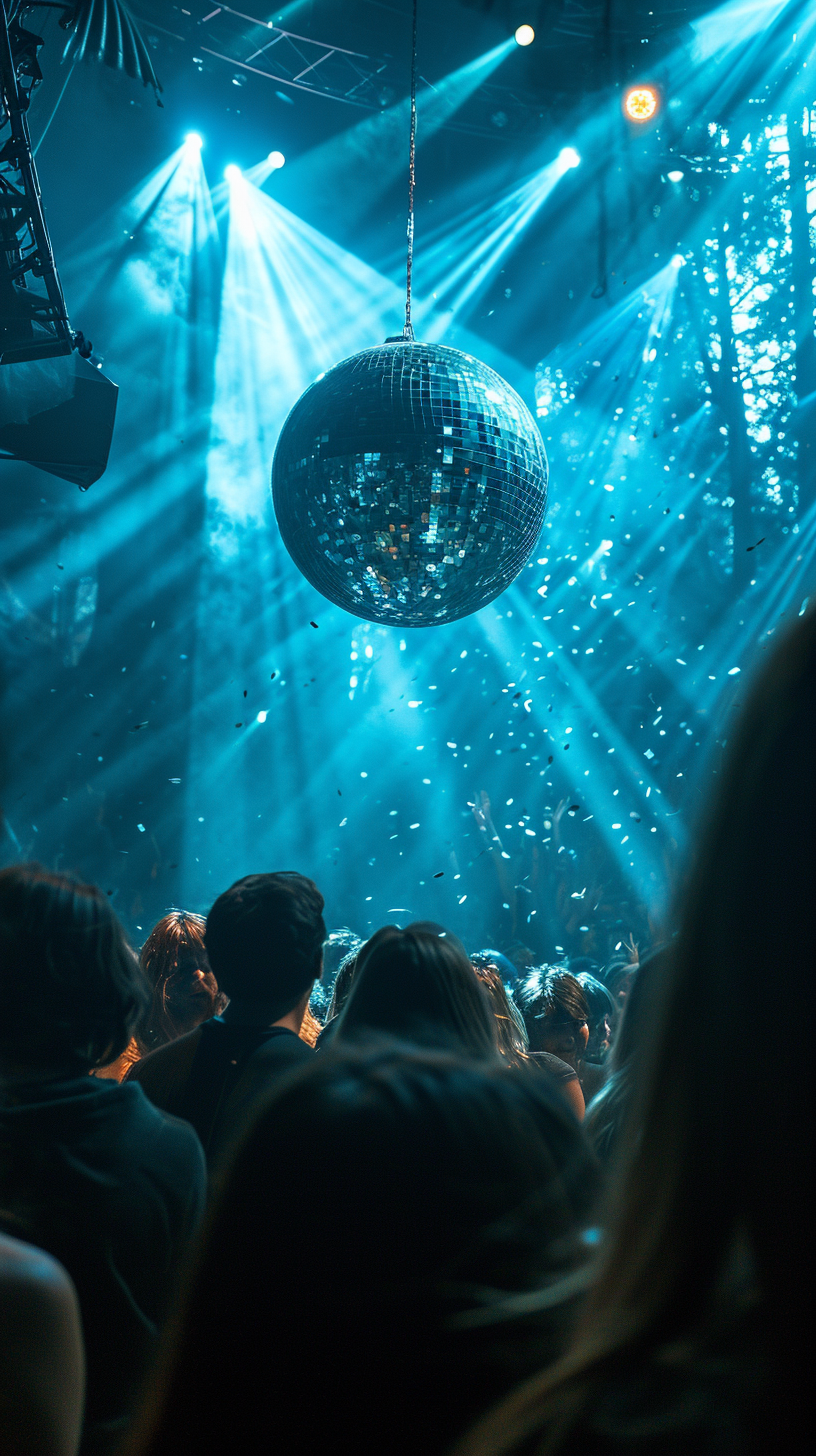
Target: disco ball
pixel 410 484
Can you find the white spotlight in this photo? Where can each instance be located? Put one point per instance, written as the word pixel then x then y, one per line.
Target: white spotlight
pixel 232 173
pixel 276 159
pixel 568 157
pixel 525 35
pixel 675 176
pixel 193 141
pixel 678 261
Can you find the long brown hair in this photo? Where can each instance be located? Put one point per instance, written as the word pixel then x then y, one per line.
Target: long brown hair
pixel 175 942
pixel 510 1033
pixel 723 1108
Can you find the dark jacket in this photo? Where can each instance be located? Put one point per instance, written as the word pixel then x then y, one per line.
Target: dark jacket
pixel 115 1190
pixel 215 1075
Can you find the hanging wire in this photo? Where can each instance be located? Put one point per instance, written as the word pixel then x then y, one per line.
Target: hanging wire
pixel 408 332
pixel 44 132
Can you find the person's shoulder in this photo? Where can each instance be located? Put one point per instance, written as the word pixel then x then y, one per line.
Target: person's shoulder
pixel 163 1059
pixel 287 1044
pixel 31 1281
pixel 22 1263
pixel 158 1145
pixel 164 1073
pixel 557 1068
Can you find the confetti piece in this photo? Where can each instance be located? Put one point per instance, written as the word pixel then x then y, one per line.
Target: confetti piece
pixel 137 726
pixel 140 828
pixel 313 624
pixel 439 874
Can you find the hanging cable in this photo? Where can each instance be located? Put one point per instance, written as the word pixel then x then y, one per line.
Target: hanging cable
pixel 408 332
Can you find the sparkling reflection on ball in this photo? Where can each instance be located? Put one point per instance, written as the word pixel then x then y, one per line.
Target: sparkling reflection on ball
pixel 410 484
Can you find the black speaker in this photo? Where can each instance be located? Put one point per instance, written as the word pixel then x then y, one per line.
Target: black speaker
pixel 58 414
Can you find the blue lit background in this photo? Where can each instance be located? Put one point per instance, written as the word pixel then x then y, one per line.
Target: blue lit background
pixel 180 707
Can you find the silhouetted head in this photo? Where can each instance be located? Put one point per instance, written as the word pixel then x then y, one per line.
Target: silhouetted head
pixel 264 941
pixel 418 984
pixel 445 1181
pixel 70 984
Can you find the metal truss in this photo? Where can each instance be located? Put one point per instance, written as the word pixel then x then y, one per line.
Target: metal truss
pixel 33 317
pixel 259 47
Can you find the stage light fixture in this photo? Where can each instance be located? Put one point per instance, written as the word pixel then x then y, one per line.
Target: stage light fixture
pixel 568 157
pixel 276 160
pixel 232 172
pixel 193 141
pixel 641 103
pixel 675 176
pixel 525 35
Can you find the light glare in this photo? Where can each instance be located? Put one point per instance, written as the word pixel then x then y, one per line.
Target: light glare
pixel 232 172
pixel 193 141
pixel 525 35
pixel 568 157
pixel 678 261
pixel 640 103
pixel 276 159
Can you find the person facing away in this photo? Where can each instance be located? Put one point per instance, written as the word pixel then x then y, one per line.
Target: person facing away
pixel 606 1114
pixel 89 1170
pixel 264 940
pixel 449 1182
pixel 696 1336
pixel 42 1362
pixel 418 985
pixel 511 1033
pixel 184 991
pixel 556 1015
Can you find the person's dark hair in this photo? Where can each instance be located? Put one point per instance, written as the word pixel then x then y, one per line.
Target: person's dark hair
pixel 580 965
pixel 601 1006
pixel 508 972
pixel 450 1183
pixel 418 984
pixel 264 940
pixel 708 1261
pixel 553 1004
pixel 181 1000
pixel 342 983
pixel 70 984
pixel 510 1029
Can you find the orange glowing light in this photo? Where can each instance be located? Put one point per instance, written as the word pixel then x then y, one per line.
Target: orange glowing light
pixel 640 103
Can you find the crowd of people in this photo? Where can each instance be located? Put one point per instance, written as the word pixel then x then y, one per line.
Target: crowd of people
pixel 268 1188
